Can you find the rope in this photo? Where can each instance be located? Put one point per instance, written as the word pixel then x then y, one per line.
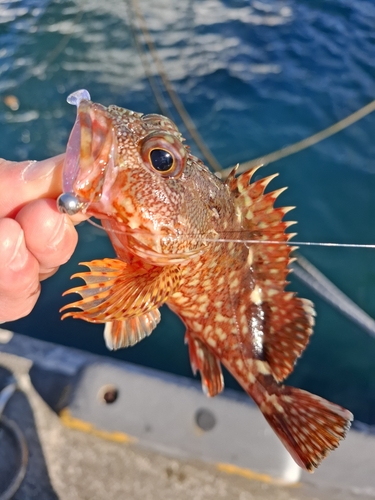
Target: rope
pixel 185 117
pixel 189 124
pixel 314 279
pixel 303 269
pixel 306 143
pixel 159 98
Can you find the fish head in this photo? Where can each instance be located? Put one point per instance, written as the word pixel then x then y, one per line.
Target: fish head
pixel 134 172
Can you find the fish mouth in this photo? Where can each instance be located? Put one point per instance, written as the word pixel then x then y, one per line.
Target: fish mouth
pixel 89 169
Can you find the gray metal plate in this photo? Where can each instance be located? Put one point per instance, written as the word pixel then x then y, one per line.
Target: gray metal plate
pixel 172 415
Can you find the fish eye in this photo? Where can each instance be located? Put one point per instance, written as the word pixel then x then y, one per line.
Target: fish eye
pixel 163 153
pixel 161 160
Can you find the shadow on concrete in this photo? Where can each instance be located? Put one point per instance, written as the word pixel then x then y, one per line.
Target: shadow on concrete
pixel 36 484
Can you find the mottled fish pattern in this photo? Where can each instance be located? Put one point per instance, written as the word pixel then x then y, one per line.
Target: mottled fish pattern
pixel 167 216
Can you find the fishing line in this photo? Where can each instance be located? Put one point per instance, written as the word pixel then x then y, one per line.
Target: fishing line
pixel 250 241
pixel 292 243
pixel 159 98
pixel 271 157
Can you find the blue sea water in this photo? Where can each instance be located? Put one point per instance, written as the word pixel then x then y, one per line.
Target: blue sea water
pixel 255 76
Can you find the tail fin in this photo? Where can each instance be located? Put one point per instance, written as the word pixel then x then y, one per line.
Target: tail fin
pixel 308 425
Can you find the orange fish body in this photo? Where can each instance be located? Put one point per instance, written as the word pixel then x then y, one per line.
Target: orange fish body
pixel 168 218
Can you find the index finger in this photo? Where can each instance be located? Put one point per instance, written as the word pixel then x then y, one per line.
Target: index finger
pixel 22 182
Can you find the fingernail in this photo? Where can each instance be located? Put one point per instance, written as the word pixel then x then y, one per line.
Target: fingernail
pixel 36 170
pixel 20 254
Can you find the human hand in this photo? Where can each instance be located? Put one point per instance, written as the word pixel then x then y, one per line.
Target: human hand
pixel 35 239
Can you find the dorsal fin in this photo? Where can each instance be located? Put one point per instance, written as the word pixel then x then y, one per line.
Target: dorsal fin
pixel 237 184
pixel 290 319
pixel 231 176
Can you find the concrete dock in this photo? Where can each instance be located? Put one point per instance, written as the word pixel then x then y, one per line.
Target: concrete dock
pixel 71 458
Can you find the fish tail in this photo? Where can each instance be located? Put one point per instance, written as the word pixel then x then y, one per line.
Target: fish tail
pixel 308 425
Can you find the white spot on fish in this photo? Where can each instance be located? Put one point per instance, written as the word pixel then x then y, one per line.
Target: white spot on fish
pixel 238 213
pixel 211 341
pixel 208 329
pixel 197 326
pixel 212 264
pixel 134 223
pixel 288 296
pixel 249 215
pixel 247 200
pixel 219 318
pixel 251 378
pixel 250 257
pixel 202 298
pixel 128 205
pixel 203 308
pixel 190 314
pixel 243 321
pixel 235 283
pixel 256 296
pixel 263 367
pixel 239 364
pixel 221 334
pixel 273 400
pixel 182 300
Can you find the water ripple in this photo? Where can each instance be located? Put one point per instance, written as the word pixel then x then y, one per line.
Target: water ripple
pixel 256 76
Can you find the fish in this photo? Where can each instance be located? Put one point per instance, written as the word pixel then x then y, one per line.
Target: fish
pixel 216 252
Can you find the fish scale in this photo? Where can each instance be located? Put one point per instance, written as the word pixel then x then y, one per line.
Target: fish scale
pixel 163 217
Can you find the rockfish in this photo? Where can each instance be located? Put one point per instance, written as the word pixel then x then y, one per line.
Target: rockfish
pixel 178 231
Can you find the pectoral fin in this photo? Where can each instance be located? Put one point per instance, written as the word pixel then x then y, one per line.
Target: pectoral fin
pixel 115 290
pixel 127 332
pixel 202 359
